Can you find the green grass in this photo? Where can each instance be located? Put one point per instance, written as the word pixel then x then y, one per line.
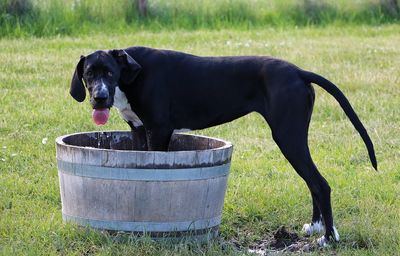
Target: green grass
pixel 72 17
pixel 264 192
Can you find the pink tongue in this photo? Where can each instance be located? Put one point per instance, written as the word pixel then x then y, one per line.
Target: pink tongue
pixel 100 116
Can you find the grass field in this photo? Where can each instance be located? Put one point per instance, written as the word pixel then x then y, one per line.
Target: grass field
pixel 263 192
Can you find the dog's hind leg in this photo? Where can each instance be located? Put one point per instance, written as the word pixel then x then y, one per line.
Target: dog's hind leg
pixel 289 119
pixel 316 225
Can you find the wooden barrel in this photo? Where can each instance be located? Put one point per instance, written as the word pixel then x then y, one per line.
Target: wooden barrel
pixel 106 184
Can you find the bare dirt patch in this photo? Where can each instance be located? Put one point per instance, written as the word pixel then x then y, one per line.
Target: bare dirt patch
pixel 283 241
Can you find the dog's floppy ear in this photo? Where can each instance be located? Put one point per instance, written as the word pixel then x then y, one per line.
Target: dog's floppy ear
pixel 129 67
pixel 77 89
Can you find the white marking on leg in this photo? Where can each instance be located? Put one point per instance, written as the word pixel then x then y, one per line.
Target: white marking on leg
pixel 323 242
pixel 336 233
pixel 313 228
pixel 124 108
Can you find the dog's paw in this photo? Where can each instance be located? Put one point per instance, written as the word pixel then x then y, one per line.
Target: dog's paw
pixel 324 242
pixel 313 228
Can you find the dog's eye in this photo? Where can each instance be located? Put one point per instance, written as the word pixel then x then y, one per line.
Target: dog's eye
pixel 89 74
pixel 109 73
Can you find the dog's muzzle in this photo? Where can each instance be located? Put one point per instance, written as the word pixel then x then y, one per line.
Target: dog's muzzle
pixel 100 97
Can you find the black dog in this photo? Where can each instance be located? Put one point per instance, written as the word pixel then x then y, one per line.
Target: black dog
pixel 158 91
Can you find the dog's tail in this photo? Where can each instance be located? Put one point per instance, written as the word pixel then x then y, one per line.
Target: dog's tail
pixel 348 109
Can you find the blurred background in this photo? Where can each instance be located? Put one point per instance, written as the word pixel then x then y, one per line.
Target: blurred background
pixel 70 17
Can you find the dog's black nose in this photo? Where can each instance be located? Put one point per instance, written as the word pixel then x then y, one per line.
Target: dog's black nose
pixel 100 95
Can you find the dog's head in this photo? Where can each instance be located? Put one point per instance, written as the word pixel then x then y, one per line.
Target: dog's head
pixel 101 72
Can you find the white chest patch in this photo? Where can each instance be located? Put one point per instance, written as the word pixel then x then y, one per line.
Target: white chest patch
pixel 124 108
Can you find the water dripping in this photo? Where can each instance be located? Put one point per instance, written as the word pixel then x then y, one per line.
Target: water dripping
pixel 99 139
pixel 102 139
pixel 109 140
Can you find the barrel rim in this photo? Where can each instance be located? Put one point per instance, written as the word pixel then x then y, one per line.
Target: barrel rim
pixel 60 142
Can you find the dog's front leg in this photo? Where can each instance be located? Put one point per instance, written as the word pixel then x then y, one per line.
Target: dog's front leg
pixel 158 139
pixel 138 137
